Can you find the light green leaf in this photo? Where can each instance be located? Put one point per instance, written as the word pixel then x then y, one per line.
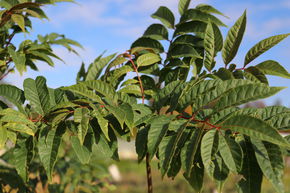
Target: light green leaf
pixel 19 20
pixel 21 128
pixel 263 46
pixel 146 42
pixel 254 127
pixel 157 32
pixel 3 137
pixel 272 67
pixel 209 9
pixel 97 67
pixel 48 145
pixel 183 6
pixel 179 51
pixel 158 129
pixel 190 27
pixel 13 94
pixel 19 60
pixel 102 122
pixel 37 93
pixel 197 15
pixel 148 59
pixel 231 152
pixel 165 16
pixel 209 46
pixel 270 160
pixel 84 151
pixel 82 90
pixel 234 39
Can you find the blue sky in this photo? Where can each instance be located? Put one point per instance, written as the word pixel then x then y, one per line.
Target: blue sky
pixel 113 25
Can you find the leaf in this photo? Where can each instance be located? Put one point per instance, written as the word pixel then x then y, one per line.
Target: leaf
pixel 81 115
pixel 3 137
pixel 165 16
pixel 189 151
pixel 209 46
pixel 37 93
pixel 252 174
pixel 97 67
pixel 272 67
pixel 21 128
pixel 271 162
pixel 253 73
pixel 158 129
pixel 13 94
pixel 179 51
pixel 190 27
pixel 84 151
pixel 197 15
pixel 196 177
pixel 23 153
pixel 254 127
pixel 157 32
pixel 146 42
pixel 234 39
pixel 231 152
pixel 183 6
pixel 263 46
pixel 209 9
pixel 280 121
pixel 19 60
pixel 19 20
pixel 48 145
pixel 148 59
pixel 141 143
pixel 82 90
pixel 208 148
pixel 103 123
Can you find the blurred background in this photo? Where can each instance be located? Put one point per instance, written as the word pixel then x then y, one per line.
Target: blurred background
pixel 112 25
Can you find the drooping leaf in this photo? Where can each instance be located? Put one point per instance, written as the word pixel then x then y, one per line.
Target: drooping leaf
pixel 146 42
pixel 231 152
pixel 179 51
pixel 165 16
pixel 263 46
pixel 13 94
pixel 19 20
pixel 190 27
pixel 48 145
pixel 209 9
pixel 81 116
pixel 234 39
pixel 84 151
pixel 196 177
pixel 103 123
pixel 270 159
pixel 158 128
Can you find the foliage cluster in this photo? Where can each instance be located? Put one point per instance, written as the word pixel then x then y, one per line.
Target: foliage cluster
pixel 181 107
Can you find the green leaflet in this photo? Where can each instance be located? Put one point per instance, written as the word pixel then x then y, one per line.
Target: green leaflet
pixel 263 46
pixel 157 32
pixel 81 116
pixel 117 75
pixel 196 177
pixel 243 94
pixel 231 152
pixel 183 6
pixel 146 42
pixel 254 127
pixel 100 87
pixel 189 151
pixel 97 67
pixel 168 145
pixel 272 67
pixel 190 27
pixel 3 137
pixel 272 111
pixel 19 60
pixel 208 148
pixel 251 171
pixel 280 121
pixel 13 94
pixel 21 128
pixel 19 20
pixel 158 129
pixel 48 145
pixel 234 39
pixel 270 159
pixel 83 152
pixel 255 74
pixel 209 9
pixel 103 123
pixel 23 154
pixel 179 51
pixel 209 46
pixel 165 16
pixel 197 15
pixel 148 59
pixel 37 93
pixel 141 143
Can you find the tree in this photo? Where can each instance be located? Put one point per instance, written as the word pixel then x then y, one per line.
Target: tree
pixel 191 121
